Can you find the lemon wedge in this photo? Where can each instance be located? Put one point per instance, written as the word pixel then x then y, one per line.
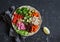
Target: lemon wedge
pixel 46 30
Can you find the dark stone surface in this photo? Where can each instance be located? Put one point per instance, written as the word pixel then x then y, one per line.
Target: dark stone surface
pixel 50 11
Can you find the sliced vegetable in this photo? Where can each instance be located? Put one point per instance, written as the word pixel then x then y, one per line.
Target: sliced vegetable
pixel 22 32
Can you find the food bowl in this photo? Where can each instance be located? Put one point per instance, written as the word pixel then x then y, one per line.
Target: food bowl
pixel 26 20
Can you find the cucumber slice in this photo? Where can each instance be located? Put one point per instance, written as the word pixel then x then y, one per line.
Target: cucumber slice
pixel 22 32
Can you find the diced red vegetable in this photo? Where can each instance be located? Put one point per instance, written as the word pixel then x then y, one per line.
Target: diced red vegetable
pixel 16 17
pixel 35 14
pixel 34 28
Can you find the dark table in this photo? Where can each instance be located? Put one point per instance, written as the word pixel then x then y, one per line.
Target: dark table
pixel 50 11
